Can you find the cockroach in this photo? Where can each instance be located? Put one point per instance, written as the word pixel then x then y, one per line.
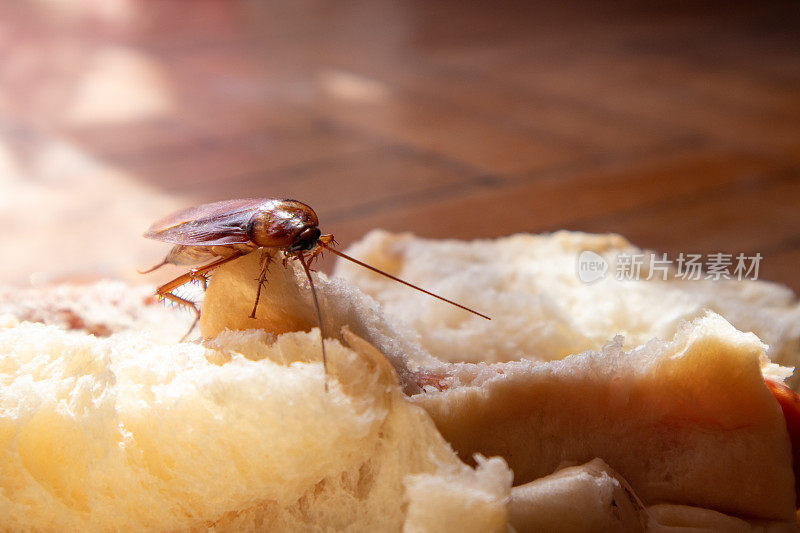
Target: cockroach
pixel 219 232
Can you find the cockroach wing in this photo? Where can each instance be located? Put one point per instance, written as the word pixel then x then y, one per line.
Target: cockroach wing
pixel 211 224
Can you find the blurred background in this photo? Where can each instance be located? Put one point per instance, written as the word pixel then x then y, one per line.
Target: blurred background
pixel 676 124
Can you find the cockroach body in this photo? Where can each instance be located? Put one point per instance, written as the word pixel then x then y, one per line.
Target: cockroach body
pixel 220 232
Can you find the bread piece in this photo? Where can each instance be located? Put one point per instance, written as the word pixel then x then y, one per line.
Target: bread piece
pixel 529 285
pixel 102 308
pixel 593 498
pixel 589 498
pixel 688 421
pixel 460 499
pixel 235 435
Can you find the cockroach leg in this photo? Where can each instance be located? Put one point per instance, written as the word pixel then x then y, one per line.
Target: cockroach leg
pixel 186 303
pixel 165 291
pixel 266 259
pixel 193 274
pixel 201 278
pixel 322 243
pixel 324 240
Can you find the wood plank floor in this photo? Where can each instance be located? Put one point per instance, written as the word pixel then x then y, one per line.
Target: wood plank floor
pixel 675 124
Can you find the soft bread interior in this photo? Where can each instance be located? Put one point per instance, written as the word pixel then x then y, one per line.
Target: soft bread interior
pixel 237 434
pixel 542 310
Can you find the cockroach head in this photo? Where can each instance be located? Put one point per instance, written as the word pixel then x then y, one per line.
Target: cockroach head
pixel 306 240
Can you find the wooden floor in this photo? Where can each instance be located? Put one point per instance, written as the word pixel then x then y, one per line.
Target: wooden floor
pixel 673 123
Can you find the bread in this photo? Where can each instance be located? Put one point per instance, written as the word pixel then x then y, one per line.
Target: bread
pixel 102 308
pixel 237 434
pixel 687 422
pixel 138 432
pixel 589 497
pixel 543 311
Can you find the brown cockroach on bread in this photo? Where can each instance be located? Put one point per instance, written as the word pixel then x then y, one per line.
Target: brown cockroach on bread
pixel 220 232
